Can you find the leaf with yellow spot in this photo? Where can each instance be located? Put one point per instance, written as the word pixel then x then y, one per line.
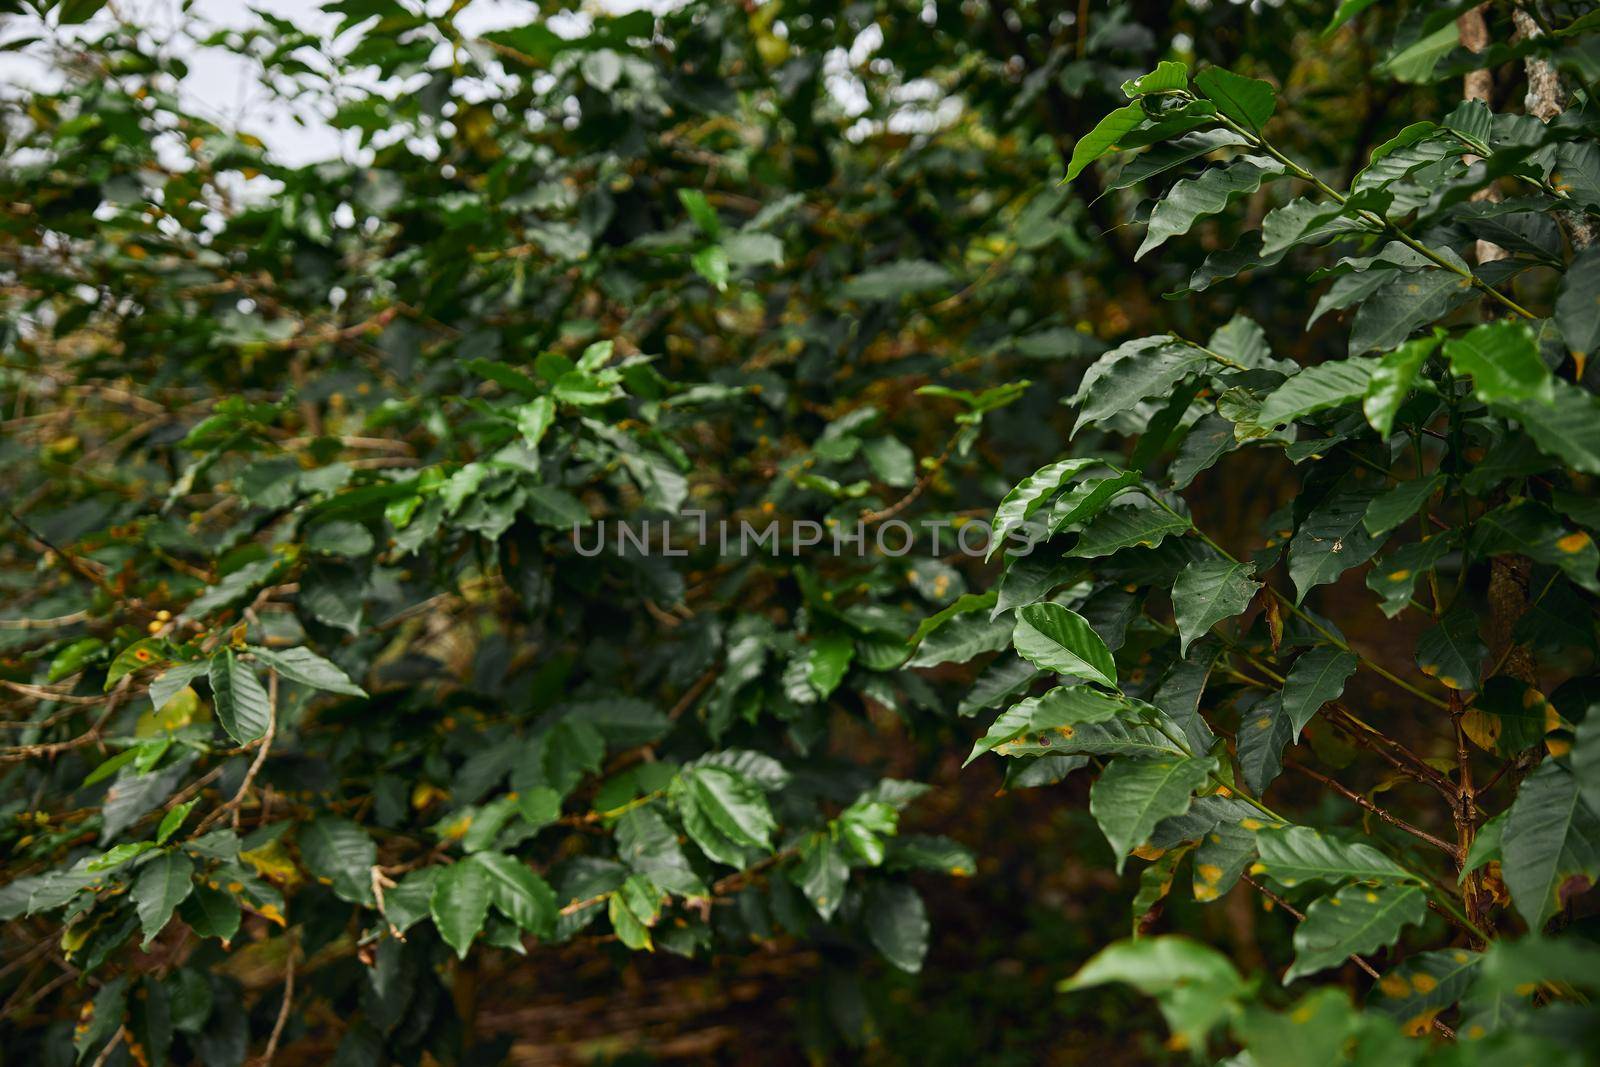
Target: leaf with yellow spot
pixel 1423 986
pixel 271 861
pixel 1452 651
pixel 1353 921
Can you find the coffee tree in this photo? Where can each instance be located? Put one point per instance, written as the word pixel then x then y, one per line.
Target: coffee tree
pixel 1449 453
pixel 317 695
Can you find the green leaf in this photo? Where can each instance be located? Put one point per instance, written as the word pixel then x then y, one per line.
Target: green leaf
pixel 162 885
pixel 1248 101
pixel 519 894
pixel 460 903
pixel 1265 730
pixel 1158 161
pixel 1352 921
pixel 1395 576
pixel 148 652
pixel 1208 591
pixel 1127 526
pixel 1293 855
pixel 105 1018
pixel 1089 499
pixel 1055 638
pixel 647 844
pixel 1451 651
pixel 1102 140
pixel 1406 303
pixel 1132 795
pixel 1155 883
pixel 1577 312
pixel 1131 372
pixel 1039 723
pixel 1327 385
pixel 628 909
pixel 1191 199
pixel 1299 222
pixel 339 853
pixel 1415 62
pixel 1208 440
pixel 1168 77
pixel 1317 677
pixel 830 659
pixel 895 280
pixel 168 684
pixel 1551 846
pixel 339 537
pixel 897 924
pixel 1486 845
pixel 1393 507
pixel 1196 986
pixel 1503 359
pixel 1528 528
pixel 735 806
pixel 965 604
pixel 534 419
pixel 963 636
pixel 701 212
pixel 822 874
pixel 211 913
pixel 1030 494
pixel 241 702
pixel 172 820
pixel 1568 427
pixel 304 666
pixel 711 263
pixel 1333 537
pixel 1347 10
pixel 1415 992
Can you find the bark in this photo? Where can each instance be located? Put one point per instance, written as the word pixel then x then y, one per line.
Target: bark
pixel 1479 85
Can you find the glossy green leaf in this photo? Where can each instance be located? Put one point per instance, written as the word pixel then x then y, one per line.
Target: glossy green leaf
pixel 1318 388
pixel 1191 199
pixel 1208 592
pixel 1248 101
pixel 163 884
pixel 1317 677
pixel 1577 311
pixel 1391 382
pixel 897 924
pixel 339 852
pixel 241 701
pixel 1451 650
pixel 1353 921
pixel 306 667
pixel 1551 845
pixel 1132 795
pixel 460 903
pixel 1029 495
pixel 1055 638
pixel 1126 527
pixel 1503 360
pixel 1050 719
pixel 1102 140
pixel 1293 855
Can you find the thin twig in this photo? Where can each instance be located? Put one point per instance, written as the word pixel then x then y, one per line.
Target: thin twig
pixel 1367 805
